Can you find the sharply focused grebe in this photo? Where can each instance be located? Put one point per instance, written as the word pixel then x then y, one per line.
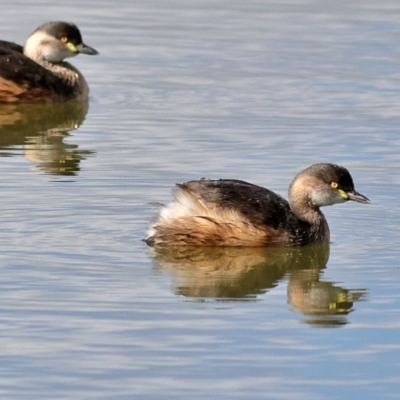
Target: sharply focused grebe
pixel 236 213
pixel 37 72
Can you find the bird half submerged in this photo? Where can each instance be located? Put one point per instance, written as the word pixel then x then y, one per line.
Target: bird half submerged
pixel 37 71
pixel 236 213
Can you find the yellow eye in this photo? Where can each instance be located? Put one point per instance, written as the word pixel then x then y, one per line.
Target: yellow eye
pixel 64 39
pixel 334 185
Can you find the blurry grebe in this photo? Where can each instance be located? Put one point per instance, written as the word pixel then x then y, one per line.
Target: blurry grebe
pixel 37 72
pixel 236 213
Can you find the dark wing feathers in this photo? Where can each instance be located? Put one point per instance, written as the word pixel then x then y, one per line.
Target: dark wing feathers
pixel 27 74
pixel 259 205
pixel 10 46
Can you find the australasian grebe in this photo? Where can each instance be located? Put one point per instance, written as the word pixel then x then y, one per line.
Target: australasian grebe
pixel 37 72
pixel 236 213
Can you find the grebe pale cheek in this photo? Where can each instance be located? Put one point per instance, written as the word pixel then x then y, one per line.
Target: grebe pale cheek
pixel 236 213
pixel 37 72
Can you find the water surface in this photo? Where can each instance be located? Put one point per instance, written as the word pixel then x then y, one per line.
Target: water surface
pixel 181 90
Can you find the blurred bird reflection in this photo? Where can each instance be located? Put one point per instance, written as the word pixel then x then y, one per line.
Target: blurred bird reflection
pixel 227 273
pixel 39 131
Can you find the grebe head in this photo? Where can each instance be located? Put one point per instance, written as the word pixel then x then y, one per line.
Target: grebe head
pixel 323 185
pixel 55 41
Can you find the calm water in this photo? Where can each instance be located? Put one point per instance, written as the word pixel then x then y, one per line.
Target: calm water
pixel 253 90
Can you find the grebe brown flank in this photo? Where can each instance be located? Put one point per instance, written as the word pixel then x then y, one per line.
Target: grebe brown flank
pixel 228 212
pixel 37 72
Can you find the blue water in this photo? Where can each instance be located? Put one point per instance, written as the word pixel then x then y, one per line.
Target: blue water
pixel 254 91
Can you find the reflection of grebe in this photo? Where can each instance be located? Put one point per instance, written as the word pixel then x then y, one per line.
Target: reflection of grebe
pixel 244 273
pixel 237 213
pixel 37 72
pixel 235 272
pixel 324 303
pixel 40 131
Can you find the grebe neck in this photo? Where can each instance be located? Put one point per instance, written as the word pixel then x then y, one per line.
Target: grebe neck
pixel 312 226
